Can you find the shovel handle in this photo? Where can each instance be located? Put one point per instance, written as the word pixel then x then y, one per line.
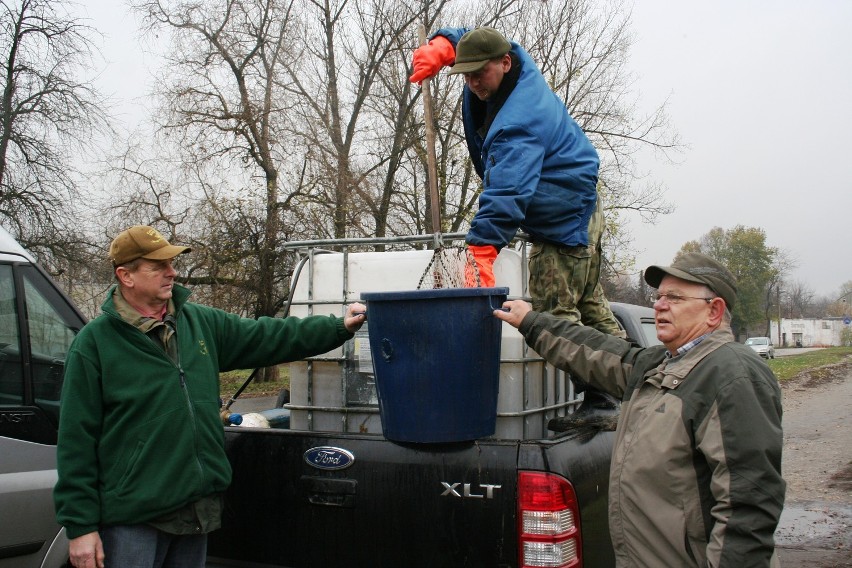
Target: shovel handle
pixel 431 160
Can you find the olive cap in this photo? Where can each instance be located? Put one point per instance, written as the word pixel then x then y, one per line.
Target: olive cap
pixel 478 47
pixel 699 268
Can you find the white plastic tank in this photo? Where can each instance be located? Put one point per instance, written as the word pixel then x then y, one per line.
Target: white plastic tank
pixel 336 392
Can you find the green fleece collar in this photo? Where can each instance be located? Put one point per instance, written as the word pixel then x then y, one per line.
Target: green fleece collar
pixel 180 296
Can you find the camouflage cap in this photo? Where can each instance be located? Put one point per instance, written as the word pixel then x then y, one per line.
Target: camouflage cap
pixel 142 241
pixel 700 268
pixel 478 47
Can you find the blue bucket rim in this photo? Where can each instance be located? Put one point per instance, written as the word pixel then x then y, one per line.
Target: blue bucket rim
pixel 434 293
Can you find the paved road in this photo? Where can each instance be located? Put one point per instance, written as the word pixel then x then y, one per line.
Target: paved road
pixel 814 528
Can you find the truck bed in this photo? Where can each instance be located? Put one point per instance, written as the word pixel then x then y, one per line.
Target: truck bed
pixel 429 505
pixel 371 502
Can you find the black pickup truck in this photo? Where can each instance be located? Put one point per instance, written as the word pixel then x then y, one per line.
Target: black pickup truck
pixel 325 487
pixel 330 490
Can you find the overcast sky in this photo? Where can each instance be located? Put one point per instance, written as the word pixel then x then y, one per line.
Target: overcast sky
pixel 761 91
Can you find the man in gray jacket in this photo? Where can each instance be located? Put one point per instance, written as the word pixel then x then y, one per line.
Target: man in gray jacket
pixel 695 478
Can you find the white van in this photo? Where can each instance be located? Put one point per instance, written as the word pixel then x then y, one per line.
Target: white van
pixel 37 324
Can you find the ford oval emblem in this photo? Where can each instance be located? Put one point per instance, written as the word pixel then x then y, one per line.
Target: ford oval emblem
pixel 330 458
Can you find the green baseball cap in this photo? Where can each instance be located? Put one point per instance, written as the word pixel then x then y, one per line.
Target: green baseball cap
pixel 699 268
pixel 478 47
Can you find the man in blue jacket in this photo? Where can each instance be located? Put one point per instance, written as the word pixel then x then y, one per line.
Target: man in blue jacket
pixel 539 171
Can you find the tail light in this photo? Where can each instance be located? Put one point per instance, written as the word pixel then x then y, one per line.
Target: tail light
pixel 549 522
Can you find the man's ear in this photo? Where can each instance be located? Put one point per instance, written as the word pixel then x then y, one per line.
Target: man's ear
pixel 717 312
pixel 123 276
pixel 507 63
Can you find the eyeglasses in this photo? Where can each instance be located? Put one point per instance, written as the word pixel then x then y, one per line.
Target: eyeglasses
pixel 162 265
pixel 676 298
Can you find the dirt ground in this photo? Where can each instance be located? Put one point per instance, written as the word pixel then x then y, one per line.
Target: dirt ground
pixel 816 526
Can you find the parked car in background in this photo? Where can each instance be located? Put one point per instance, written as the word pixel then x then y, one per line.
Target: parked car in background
pixel 762 346
pixel 37 324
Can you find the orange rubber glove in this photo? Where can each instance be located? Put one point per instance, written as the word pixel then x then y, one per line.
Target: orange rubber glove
pixel 484 255
pixel 428 59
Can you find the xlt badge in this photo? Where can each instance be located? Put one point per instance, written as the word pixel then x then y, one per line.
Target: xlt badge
pixel 467 491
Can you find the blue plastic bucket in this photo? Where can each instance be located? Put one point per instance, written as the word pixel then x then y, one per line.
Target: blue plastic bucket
pixel 436 356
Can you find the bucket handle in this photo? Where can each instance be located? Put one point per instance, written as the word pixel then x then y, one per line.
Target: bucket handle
pixel 493 307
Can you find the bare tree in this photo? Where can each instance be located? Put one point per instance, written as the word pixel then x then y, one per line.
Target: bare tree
pixel 49 112
pixel 298 117
pixel 359 114
pixel 230 102
pixel 838 304
pixel 581 47
pixel 362 120
pixel 183 200
pixel 220 97
pixel 798 298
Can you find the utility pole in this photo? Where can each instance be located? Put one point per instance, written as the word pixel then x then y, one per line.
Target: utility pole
pixel 784 343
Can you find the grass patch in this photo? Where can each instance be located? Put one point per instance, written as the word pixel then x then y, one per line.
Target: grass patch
pixel 786 368
pixel 231 381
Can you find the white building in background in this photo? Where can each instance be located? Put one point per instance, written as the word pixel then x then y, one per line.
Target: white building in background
pixel 810 332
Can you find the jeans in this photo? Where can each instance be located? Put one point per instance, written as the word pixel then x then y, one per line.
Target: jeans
pixel 143 546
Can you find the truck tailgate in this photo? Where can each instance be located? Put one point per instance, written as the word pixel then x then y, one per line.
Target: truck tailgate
pixel 395 505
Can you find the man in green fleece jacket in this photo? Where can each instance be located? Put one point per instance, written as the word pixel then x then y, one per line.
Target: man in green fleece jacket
pixel 695 478
pixel 141 456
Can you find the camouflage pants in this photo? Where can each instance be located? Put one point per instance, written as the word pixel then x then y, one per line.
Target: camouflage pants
pixel 565 281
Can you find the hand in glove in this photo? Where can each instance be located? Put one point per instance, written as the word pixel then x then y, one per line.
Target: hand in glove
pixel 484 256
pixel 428 59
